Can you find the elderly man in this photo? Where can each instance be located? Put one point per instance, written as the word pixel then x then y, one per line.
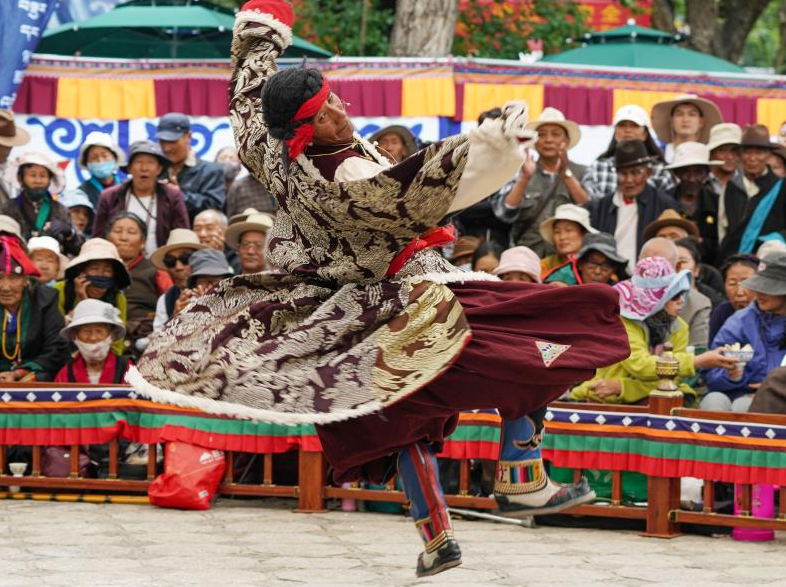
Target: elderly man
pixel 724 146
pixel 395 142
pixel 635 204
pixel 543 186
pixel 10 137
pixel 211 227
pixel 201 182
pixel 248 238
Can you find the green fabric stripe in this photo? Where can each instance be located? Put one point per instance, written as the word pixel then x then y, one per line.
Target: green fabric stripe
pixel 475 434
pixel 666 450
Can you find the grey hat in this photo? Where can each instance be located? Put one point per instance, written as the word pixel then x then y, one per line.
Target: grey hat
pixel 92 311
pixel 208 262
pixel 604 244
pixel 172 126
pixel 145 148
pixel 770 277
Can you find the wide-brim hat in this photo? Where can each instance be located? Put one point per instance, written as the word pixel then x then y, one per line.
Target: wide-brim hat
pixel 756 135
pixel 521 259
pixel 259 222
pixel 630 154
pixel 407 137
pixel 146 148
pixel 570 212
pixel 670 218
pixel 10 134
pixel 780 151
pixel 603 243
pixel 241 216
pixel 10 226
pixel 76 197
pixel 99 249
pixel 692 153
pixel 653 284
pixel 554 116
pixel 661 116
pixel 92 311
pixel 47 243
pixel 57 183
pixel 100 139
pixel 770 277
pixel 179 238
pixel 725 133
pixel 209 262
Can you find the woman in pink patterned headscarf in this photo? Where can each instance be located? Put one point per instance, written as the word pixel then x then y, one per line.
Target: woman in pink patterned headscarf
pixel 650 304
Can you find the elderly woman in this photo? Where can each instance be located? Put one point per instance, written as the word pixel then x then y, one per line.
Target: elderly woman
pixel 101 158
pixel 160 205
pixel 360 309
pixel 35 208
pixel 31 348
pixel 565 231
pixel 737 269
pixel 762 325
pixel 596 262
pixel 650 304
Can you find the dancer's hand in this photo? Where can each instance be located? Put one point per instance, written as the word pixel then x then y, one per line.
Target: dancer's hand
pixel 604 388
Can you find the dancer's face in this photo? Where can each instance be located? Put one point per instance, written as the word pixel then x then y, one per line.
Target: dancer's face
pixel 331 124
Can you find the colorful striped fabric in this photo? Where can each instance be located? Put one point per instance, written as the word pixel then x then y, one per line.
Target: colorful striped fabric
pixel 666 446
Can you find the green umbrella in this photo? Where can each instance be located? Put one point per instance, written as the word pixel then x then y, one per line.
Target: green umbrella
pixel 138 30
pixel 635 46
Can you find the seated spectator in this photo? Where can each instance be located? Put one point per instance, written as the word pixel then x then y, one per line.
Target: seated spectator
pixel 737 269
pixel 44 252
pixel 777 160
pixel 95 328
pixel 201 182
pixel 96 273
pixel 396 142
pixel 211 227
pixel 724 145
pixel 544 185
pixel 630 123
pixel 31 347
pixel 519 264
pixel 565 232
pixel 81 210
pixel 248 238
pixel 463 250
pixel 762 325
pixel 101 157
pixel 682 119
pixel 208 267
pixel 770 398
pixel 650 303
pixel 175 258
pixel 229 163
pixel 248 192
pixel 597 262
pixel 697 308
pixel 617 215
pixel 158 204
pixel 129 233
pixel 660 247
pixel 10 136
pixel 486 257
pixel 35 209
pixel 695 197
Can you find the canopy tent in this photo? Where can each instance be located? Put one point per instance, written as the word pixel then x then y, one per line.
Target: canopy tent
pixel 636 46
pixel 141 30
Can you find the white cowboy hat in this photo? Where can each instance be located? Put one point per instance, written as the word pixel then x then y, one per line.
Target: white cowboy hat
pixel 259 222
pixel 631 112
pixel 570 212
pixel 554 116
pixel 100 139
pixel 661 116
pixel 692 153
pixel 725 133
pixel 179 238
pixel 56 185
pixel 92 311
pixel 99 249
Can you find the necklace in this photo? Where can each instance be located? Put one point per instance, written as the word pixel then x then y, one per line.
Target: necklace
pixel 17 347
pixel 352 145
pixel 149 210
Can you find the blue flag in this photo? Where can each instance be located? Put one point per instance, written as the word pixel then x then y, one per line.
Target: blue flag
pixel 22 24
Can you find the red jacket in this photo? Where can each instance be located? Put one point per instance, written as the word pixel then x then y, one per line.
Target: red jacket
pixel 79 370
pixel 170 209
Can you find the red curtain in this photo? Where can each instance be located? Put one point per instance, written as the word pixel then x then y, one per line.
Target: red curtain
pixel 740 109
pixel 37 95
pixel 379 97
pixel 590 106
pixel 195 97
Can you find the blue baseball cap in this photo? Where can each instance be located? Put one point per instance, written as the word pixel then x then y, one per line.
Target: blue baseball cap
pixel 172 126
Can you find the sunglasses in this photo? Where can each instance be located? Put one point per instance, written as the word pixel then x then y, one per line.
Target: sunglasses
pixel 170 261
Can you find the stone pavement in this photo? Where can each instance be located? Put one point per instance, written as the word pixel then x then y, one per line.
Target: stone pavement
pixel 245 543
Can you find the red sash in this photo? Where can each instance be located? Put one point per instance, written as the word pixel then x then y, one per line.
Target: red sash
pixel 435 237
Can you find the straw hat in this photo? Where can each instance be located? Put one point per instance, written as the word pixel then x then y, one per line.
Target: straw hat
pixel 661 116
pixel 11 176
pixel 99 249
pixel 554 116
pixel 235 218
pixel 94 312
pixel 725 133
pixel 692 153
pixel 10 135
pixel 670 218
pixel 259 221
pixel 179 238
pixel 570 212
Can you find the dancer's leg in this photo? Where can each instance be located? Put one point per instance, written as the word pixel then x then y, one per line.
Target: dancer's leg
pixel 417 468
pixel 521 475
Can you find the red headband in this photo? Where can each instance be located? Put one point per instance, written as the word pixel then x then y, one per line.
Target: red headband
pixel 305 131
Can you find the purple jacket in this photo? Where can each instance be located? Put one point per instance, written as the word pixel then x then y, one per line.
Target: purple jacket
pixel 170 209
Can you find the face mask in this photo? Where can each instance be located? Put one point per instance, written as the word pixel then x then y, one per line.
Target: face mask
pixel 100 281
pixel 102 169
pixel 94 351
pixel 230 169
pixel 36 194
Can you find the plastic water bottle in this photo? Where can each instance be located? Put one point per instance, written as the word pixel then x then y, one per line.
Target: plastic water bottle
pixel 762 506
pixel 348 504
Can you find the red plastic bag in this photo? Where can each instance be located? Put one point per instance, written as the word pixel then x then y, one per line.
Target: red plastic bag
pixel 190 479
